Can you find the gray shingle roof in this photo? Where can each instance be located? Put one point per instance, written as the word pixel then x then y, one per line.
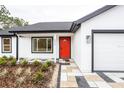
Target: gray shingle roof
pixel 44 27
pixel 5 33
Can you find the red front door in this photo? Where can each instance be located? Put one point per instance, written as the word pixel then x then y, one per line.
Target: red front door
pixel 65 47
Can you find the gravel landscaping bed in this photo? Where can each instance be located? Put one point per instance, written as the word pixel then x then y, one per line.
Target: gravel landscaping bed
pixel 18 76
pixel 25 75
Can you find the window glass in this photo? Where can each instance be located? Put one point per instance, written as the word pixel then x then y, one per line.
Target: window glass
pixel 42 44
pixel 6 48
pixel 49 44
pixel 34 44
pixel 6 41
pixel 6 44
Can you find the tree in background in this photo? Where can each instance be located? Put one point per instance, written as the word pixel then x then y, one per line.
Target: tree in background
pixel 8 21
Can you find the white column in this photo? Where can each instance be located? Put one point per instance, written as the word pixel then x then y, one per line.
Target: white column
pixel 55 46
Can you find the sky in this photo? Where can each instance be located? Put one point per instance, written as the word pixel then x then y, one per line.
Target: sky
pixel 49 13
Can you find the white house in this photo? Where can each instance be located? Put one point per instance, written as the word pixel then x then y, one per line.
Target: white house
pixel 95 42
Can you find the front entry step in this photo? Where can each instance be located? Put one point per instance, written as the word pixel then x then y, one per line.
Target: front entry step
pixel 67 61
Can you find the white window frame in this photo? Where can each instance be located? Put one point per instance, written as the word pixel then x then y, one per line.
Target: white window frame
pixel 46 51
pixel 3 48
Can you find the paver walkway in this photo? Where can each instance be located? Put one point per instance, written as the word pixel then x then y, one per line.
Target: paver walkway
pixel 71 77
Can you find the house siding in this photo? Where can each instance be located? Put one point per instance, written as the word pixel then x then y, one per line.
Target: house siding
pixel 78 45
pixel 111 19
pixel 25 45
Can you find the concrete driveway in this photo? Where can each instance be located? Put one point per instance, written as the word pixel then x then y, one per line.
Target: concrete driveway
pixel 71 77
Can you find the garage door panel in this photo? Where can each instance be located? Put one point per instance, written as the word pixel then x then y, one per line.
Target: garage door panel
pixel 109 52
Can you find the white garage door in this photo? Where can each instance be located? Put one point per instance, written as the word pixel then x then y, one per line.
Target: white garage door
pixel 108 52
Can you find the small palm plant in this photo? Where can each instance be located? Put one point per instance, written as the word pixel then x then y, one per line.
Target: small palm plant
pixel 36 63
pixel 24 62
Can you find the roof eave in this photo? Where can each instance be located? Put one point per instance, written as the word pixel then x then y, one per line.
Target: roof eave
pixel 44 31
pixel 7 35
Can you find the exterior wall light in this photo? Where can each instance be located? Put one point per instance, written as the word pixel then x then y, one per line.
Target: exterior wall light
pixel 88 39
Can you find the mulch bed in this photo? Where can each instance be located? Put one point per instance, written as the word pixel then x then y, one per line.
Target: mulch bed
pixel 9 80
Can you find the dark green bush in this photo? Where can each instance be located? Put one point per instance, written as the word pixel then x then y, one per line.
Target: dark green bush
pixel 38 76
pixel 2 61
pixel 24 62
pixel 36 63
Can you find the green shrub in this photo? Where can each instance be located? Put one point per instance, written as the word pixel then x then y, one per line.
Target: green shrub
pixel 24 62
pixel 38 76
pixel 2 61
pixel 44 67
pixel 5 57
pixel 36 63
pixel 11 58
pixel 49 63
pixel 13 62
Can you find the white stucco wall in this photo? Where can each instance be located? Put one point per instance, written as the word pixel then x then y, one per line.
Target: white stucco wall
pixel 13 53
pixel 25 45
pixel 111 19
pixel 77 50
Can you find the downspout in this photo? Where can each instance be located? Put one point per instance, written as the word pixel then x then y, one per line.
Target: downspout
pixel 16 46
